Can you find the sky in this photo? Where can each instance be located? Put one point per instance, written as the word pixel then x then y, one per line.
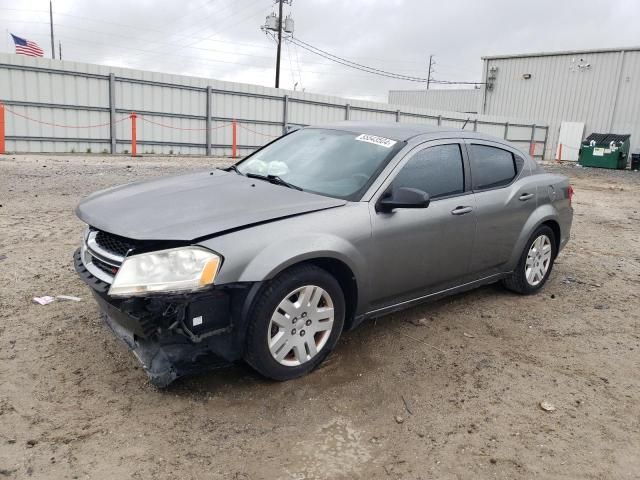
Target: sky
pixel 222 39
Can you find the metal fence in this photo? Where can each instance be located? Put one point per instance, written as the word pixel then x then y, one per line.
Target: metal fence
pixel 54 106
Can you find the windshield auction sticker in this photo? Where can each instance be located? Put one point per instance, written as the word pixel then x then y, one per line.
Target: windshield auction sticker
pixel 383 142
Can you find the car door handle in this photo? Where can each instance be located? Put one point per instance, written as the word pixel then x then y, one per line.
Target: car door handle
pixel 461 210
pixel 526 196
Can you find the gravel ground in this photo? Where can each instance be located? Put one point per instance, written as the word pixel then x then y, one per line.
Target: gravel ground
pixel 446 390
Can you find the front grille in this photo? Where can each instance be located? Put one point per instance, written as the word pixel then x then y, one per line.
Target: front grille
pixel 103 253
pixel 105 267
pixel 114 244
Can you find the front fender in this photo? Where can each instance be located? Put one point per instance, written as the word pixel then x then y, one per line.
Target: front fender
pixel 540 215
pixel 261 252
pixel 291 250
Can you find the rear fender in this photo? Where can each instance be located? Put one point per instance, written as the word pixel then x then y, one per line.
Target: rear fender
pixel 539 216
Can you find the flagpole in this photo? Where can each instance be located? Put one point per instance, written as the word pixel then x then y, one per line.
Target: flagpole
pixel 53 45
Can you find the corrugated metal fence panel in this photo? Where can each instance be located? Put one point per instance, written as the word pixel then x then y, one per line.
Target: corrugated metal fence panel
pixel 304 113
pixel 414 119
pixel 454 100
pixel 375 116
pixel 21 85
pixel 495 130
pixel 171 109
pixel 571 87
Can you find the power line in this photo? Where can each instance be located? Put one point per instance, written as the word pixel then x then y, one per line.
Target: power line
pixel 138 28
pixel 64 26
pixel 293 78
pixel 205 62
pixel 158 43
pixel 372 70
pixel 350 63
pixel 295 48
pixel 124 25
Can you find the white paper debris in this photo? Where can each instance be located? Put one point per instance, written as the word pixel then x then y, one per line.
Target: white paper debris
pixel 43 300
pixel 68 297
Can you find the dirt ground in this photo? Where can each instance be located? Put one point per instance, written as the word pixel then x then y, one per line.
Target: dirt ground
pixel 445 390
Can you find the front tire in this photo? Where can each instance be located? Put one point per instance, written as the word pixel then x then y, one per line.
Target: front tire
pixel 535 264
pixel 295 323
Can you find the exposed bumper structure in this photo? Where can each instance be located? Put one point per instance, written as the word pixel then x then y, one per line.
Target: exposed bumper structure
pixel 175 335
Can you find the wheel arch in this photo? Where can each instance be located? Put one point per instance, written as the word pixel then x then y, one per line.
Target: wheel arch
pixel 543 215
pixel 555 226
pixel 341 271
pixel 347 280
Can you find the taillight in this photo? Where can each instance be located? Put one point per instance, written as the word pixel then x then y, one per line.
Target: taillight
pixel 570 193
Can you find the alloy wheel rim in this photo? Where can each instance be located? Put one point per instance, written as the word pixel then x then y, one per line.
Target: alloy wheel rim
pixel 300 325
pixel 538 260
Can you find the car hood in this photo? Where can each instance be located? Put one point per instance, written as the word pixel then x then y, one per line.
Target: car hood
pixel 187 207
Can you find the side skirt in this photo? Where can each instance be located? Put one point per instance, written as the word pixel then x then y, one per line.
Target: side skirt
pixel 428 298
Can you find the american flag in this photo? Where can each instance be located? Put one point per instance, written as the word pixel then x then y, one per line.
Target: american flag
pixel 27 47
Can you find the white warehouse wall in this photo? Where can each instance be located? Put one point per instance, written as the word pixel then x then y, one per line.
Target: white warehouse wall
pixel 600 88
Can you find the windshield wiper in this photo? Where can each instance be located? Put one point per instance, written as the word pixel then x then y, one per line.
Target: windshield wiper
pixel 275 179
pixel 231 168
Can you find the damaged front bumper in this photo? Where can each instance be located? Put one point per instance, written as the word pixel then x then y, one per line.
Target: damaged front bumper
pixel 173 335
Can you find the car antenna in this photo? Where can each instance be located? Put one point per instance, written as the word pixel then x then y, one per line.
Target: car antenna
pixel 465 122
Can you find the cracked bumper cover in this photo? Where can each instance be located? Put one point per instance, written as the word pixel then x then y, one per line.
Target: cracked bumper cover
pixel 176 334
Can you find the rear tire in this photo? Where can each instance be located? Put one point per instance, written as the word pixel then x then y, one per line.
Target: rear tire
pixel 535 264
pixel 295 323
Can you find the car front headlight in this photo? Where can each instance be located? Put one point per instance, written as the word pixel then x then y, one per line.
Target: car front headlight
pixel 174 270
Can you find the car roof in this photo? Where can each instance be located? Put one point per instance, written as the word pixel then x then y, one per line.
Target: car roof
pixel 405 131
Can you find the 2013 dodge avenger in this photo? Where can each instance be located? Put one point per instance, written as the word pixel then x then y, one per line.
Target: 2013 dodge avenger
pixel 271 259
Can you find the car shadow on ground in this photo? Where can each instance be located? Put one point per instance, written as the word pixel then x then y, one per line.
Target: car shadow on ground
pixel 357 353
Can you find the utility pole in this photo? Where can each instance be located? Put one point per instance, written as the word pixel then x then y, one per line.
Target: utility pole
pixel 53 45
pixel 431 64
pixel 60 49
pixel 275 23
pixel 279 43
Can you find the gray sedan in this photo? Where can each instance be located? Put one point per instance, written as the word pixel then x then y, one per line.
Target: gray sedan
pixel 272 259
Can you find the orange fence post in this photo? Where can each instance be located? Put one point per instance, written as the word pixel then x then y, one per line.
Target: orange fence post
pixel 134 145
pixel 559 153
pixel 2 146
pixel 532 148
pixel 234 139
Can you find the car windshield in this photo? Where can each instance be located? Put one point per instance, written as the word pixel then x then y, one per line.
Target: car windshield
pixel 334 163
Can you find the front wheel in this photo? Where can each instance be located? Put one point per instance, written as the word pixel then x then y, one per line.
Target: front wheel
pixel 535 264
pixel 295 323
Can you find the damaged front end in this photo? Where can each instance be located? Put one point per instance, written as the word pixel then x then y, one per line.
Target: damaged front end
pixel 171 334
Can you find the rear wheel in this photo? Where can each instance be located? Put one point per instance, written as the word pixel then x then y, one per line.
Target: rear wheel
pixel 295 323
pixel 535 264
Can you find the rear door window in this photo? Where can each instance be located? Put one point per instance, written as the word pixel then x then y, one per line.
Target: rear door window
pixel 437 170
pixel 491 167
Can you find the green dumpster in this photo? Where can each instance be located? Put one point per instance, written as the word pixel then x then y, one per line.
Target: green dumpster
pixel 605 150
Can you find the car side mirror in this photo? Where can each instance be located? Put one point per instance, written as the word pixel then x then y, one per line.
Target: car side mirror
pixel 403 197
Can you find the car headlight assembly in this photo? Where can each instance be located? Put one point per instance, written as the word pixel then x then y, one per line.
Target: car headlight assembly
pixel 165 271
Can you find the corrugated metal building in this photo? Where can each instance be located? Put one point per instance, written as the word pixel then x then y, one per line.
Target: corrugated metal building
pixel 598 87
pixel 451 100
